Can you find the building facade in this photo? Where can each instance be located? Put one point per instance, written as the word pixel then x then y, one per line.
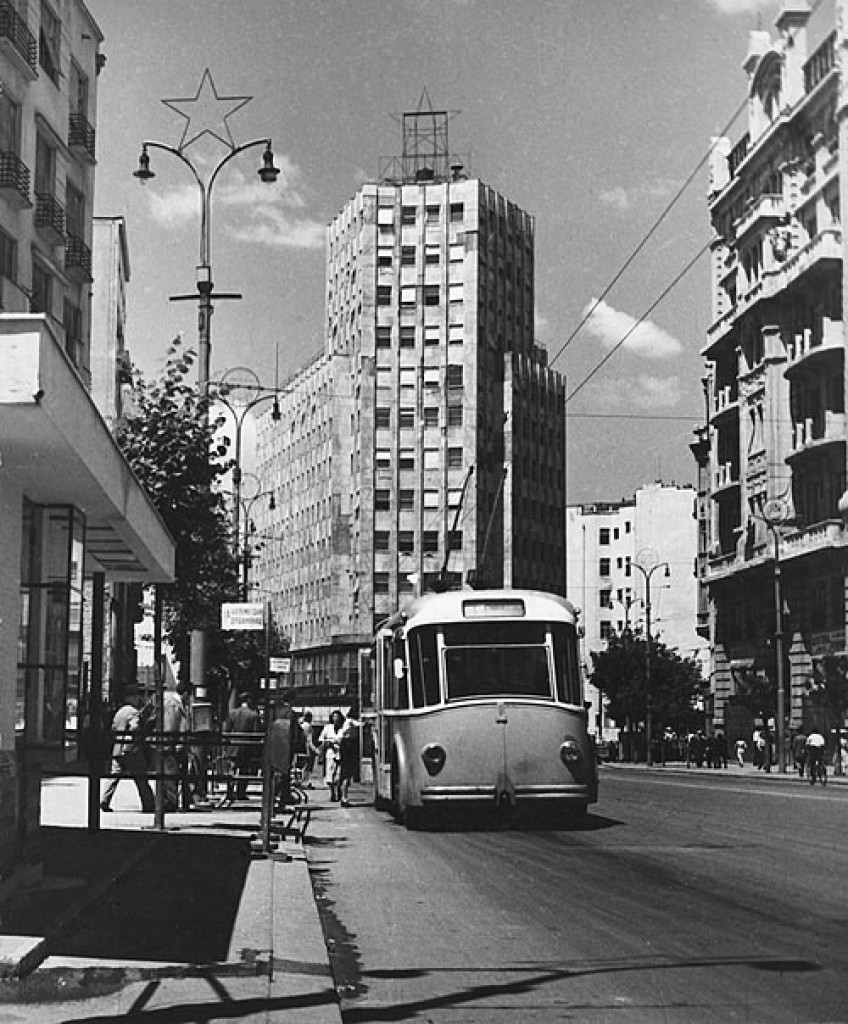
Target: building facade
pixel 606 545
pixel 772 455
pixel 432 431
pixel 74 518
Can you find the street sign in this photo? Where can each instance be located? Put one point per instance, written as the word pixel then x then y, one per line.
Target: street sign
pixel 242 616
pixel 280 665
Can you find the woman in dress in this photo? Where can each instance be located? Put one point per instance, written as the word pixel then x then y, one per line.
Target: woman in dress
pixel 329 743
pixel 349 752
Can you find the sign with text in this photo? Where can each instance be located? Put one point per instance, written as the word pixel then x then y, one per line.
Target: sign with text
pixel 280 665
pixel 242 616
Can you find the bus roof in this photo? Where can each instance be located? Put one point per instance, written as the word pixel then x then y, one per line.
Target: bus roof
pixel 452 605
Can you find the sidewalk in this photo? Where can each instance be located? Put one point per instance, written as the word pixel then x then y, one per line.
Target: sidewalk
pixel 748 772
pixel 189 923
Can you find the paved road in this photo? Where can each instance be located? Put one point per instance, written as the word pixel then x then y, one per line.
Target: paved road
pixel 685 900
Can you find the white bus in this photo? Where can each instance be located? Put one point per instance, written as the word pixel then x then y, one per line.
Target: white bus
pixel 479 702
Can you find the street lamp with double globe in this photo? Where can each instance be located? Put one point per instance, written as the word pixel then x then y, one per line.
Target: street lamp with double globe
pixel 647 564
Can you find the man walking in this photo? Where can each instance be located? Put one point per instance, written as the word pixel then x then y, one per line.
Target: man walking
pixel 129 758
pixel 242 720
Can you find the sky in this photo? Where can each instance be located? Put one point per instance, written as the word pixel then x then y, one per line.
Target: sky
pixel 591 115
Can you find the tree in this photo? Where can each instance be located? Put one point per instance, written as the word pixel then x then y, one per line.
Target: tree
pixel 176 449
pixel 677 686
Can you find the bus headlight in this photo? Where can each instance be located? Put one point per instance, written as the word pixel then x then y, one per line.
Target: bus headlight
pixel 434 758
pixel 569 752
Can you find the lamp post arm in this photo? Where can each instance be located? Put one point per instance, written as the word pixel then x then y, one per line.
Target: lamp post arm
pixel 204 196
pixel 206 229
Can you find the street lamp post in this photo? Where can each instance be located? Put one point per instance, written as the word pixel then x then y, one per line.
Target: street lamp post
pixel 268 173
pixel 647 572
pixel 245 549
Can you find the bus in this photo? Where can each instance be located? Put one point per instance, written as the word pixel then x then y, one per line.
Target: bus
pixel 478 702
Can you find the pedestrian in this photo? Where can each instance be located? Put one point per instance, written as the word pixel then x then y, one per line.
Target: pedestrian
pixel 130 756
pixel 278 752
pixel 799 751
pixel 174 749
pixel 330 743
pixel 349 753
pixel 243 722
pixel 721 749
pixel 741 748
pixel 758 743
pixel 308 730
pixel 710 755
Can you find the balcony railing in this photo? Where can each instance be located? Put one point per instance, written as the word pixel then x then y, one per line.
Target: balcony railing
pixel 821 62
pixel 81 134
pixel 14 176
pixel 725 476
pixel 768 206
pixel 13 29
pixel 77 259
pixel 50 216
pixel 824 426
pixel 725 398
pixel 738 153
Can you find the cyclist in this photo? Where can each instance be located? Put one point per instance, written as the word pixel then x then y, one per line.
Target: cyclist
pixel 815 754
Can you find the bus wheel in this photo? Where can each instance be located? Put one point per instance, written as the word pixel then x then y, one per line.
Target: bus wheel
pixel 413 818
pixel 576 815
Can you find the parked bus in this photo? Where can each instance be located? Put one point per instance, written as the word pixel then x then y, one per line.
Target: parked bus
pixel 479 703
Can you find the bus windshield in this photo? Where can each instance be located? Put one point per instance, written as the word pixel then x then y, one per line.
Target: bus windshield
pixel 495 659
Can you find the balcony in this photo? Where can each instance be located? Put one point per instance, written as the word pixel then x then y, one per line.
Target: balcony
pixel 77 259
pixel 813 433
pixel 17 40
pixel 81 135
pixel 14 179
pixel 726 478
pixel 726 402
pixel 814 351
pixel 50 217
pixel 822 62
pixel 764 211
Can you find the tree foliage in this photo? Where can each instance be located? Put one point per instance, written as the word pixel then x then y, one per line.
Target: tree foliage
pixel 676 684
pixel 179 455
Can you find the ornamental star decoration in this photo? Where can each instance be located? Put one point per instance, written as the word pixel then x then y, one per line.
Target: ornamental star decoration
pixel 207 113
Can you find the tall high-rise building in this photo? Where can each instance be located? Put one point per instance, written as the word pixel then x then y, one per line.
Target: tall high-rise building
pixel 432 430
pixel 772 455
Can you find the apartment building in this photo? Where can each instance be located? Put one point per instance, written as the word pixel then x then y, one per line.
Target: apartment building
pixel 438 459
pixel 74 518
pixel 608 546
pixel 772 455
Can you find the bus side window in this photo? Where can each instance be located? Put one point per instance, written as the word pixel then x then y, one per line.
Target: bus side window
pixel 566 665
pixel 424 667
pixel 400 675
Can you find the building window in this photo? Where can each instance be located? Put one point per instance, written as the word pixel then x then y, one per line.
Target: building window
pixel 407 336
pixel 383 458
pixel 49 38
pixel 430 541
pixel 454 458
pixel 457 212
pixel 432 334
pixel 407 376
pixel 384 377
pixel 406 418
pixel 454 497
pixel 457 252
pixel 406 458
pixel 454 377
pixel 381 540
pixel 384 257
pixel 456 333
pixel 384 337
pixel 456 292
pixel 454 415
pixel 604 567
pixel 407 296
pixel 10 125
pixel 384 295
pixel 604 535
pixel 431 416
pixel 606 629
pixel 431 295
pixel 431 255
pixel 72 322
pixel 382 417
pixel 381 583
pixel 431 376
pixel 605 599
pixel 433 213
pixel 406 542
pixel 8 257
pixel 431 498
pixel 406 499
pixel 455 540
pixel 407 256
pixel 407 215
pixel 382 500
pixel 431 458
pixel 41 298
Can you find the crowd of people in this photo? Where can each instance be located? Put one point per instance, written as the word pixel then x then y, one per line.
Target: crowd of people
pixel 289 746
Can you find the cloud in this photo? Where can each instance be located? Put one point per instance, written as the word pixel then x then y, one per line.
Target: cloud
pixel 609 326
pixel 620 198
pixel 272 215
pixel 641 391
pixel 741 6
